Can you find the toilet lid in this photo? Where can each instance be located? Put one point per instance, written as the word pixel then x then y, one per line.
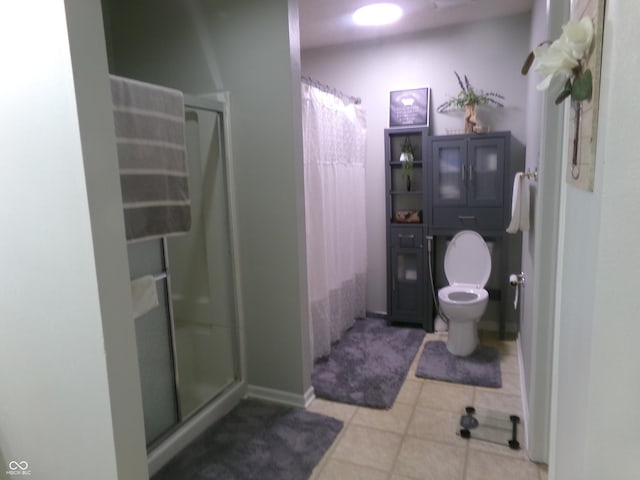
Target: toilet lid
pixel 467 259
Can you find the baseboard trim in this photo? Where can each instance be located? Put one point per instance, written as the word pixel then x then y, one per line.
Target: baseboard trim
pixel 382 315
pixel 523 392
pixel 309 396
pixel 280 396
pixel 494 326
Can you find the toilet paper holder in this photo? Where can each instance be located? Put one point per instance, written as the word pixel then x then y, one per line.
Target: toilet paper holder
pixel 517 279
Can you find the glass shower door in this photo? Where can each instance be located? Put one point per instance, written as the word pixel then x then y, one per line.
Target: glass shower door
pixel 187 347
pixel 154 344
pixel 201 281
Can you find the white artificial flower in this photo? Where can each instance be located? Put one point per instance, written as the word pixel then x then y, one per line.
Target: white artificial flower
pixel 554 60
pixel 579 36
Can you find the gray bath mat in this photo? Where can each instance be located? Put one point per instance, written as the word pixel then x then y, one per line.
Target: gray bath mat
pixel 481 368
pixel 368 365
pixel 256 440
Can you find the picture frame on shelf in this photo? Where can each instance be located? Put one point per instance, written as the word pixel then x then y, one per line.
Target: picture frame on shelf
pixel 409 107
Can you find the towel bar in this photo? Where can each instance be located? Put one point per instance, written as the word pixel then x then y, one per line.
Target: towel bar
pixel 160 276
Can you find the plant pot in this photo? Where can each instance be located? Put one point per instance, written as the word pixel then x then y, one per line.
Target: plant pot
pixel 469 118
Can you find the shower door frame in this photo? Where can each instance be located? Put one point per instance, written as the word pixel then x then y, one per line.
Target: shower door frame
pixel 193 424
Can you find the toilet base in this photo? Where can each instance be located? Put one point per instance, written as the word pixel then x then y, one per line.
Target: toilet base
pixel 440 325
pixel 463 337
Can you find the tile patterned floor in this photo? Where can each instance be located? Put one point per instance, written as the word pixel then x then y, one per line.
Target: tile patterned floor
pixel 416 438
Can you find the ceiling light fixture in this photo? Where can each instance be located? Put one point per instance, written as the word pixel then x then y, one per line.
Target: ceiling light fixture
pixel 377 14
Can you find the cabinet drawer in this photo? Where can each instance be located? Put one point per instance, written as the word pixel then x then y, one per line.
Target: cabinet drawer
pixel 406 237
pixel 473 219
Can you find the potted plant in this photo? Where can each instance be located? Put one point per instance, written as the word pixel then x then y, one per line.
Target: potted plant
pixel 469 98
pixel 406 158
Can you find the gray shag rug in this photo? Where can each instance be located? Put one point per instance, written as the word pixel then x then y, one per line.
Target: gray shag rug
pixel 256 440
pixel 368 365
pixel 481 368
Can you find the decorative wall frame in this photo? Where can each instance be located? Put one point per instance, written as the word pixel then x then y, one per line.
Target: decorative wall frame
pixel 409 107
pixel 583 123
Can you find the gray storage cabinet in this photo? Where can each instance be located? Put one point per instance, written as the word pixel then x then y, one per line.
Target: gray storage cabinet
pixel 458 182
pixel 468 185
pixel 408 298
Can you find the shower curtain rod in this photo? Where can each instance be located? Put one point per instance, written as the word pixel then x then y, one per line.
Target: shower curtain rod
pixel 331 90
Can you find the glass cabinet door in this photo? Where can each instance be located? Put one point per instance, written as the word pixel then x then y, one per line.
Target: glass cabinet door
pixel 449 172
pixel 486 172
pixel 407 283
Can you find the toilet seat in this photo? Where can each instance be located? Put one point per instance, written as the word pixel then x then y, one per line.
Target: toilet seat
pixel 467 261
pixel 462 294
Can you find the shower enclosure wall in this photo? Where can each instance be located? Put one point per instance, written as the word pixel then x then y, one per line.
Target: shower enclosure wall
pixel 188 347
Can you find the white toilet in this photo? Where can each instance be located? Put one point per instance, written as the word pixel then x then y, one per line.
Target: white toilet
pixel 467 266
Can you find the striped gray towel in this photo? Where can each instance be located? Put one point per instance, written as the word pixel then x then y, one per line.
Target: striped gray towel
pixel 150 133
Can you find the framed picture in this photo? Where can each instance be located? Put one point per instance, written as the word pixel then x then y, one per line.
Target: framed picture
pixel 409 107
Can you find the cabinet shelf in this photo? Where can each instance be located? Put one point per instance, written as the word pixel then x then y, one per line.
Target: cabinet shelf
pixel 416 164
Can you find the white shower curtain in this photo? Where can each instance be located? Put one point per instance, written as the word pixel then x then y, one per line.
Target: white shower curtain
pixel 334 133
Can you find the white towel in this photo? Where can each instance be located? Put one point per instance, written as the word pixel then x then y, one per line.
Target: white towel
pixel 143 295
pixel 524 204
pixel 519 205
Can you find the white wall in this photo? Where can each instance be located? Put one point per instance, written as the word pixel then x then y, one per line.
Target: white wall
pixel 489 52
pixel 71 403
pixel 539 246
pixel 248 49
pixel 596 387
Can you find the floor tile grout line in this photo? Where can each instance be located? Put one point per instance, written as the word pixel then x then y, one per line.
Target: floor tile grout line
pixel 329 453
pixel 404 435
pixel 367 427
pixel 468 448
pixel 414 407
pixel 354 464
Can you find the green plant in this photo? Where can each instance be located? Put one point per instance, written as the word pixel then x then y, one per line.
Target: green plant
pixel 406 155
pixel 469 96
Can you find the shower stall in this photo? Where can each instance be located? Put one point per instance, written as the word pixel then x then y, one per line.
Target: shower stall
pixel 188 347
